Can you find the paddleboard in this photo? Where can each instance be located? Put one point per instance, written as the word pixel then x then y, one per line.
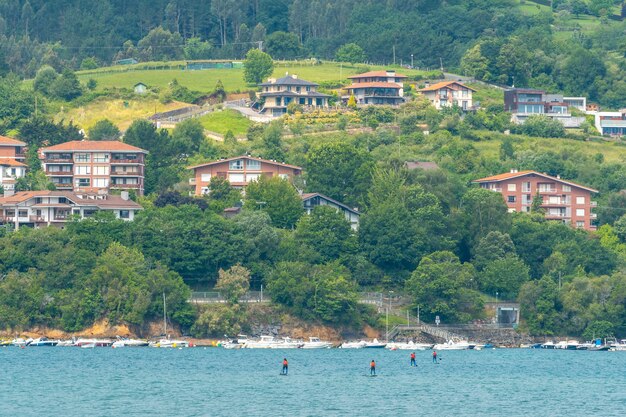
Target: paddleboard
pixel 283 374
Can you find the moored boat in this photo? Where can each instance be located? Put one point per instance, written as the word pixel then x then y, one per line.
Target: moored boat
pixel 353 345
pixel 169 343
pixel 548 345
pixel 43 341
pixel 316 343
pixel 123 342
pixel 265 342
pixel 286 343
pixel 452 345
pixel 374 344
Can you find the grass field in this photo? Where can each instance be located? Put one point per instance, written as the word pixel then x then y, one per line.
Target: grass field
pixel 115 110
pixel 205 80
pixel 223 121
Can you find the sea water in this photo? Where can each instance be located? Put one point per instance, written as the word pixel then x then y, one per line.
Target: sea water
pixel 45 381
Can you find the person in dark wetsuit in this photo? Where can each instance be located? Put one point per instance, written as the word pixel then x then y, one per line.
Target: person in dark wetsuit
pixel 285 367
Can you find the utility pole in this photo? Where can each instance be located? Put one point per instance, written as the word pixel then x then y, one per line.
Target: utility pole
pixel 441 63
pixel 394 54
pixel 164 317
pixel 260 45
pixel 411 60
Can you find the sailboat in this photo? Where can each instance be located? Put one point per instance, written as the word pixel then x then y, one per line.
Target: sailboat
pixel 166 342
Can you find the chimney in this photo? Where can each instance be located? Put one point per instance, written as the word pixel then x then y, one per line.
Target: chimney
pixel 391 73
pixel 514 171
pixel 558 176
pixel 8 193
pixel 124 195
pixel 426 84
pixel 294 76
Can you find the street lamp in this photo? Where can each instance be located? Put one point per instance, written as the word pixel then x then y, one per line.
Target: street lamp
pixel 411 60
pixel 387 319
pixel 497 307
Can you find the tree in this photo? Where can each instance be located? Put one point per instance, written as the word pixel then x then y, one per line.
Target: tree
pixel 40 130
pixel 543 126
pixel 161 45
pixel 233 283
pixel 495 245
pixel 442 285
pixel 257 66
pixel 188 136
pixel 44 79
pixel 283 45
pixel 350 52
pixel 505 275
pixel 539 301
pixel 327 231
pixel 599 330
pixel 272 140
pixel 195 48
pixel 276 196
pixel 66 87
pixel 89 63
pixel 104 130
pixel 484 211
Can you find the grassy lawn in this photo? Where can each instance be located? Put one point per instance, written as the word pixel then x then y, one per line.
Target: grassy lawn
pixel 115 110
pixel 612 151
pixel 205 80
pixel 530 7
pixel 223 121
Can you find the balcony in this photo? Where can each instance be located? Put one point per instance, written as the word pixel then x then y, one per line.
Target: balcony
pixel 37 219
pixel 557 216
pixel 20 155
pixel 62 185
pixel 61 217
pixel 58 160
pixel 124 185
pixel 125 161
pixel 59 173
pixel 558 203
pixel 126 174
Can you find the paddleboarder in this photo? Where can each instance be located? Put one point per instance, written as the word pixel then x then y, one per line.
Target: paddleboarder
pixel 372 367
pixel 434 356
pixel 413 359
pixel 285 367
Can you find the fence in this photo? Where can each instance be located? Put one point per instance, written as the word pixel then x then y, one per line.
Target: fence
pixel 215 297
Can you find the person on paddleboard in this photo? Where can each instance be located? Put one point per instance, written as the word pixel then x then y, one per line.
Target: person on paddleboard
pixel 372 367
pixel 434 356
pixel 285 367
pixel 413 359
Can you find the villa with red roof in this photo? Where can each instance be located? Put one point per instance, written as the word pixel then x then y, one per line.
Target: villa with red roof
pixel 95 166
pixel 561 200
pixel 12 164
pixel 449 94
pixel 239 171
pixel 377 87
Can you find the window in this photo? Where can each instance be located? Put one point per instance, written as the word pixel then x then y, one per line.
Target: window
pixel 101 182
pixel 580 212
pixel 567 189
pixel 511 210
pixel 38 200
pixel 22 213
pixel 526 187
pixel 511 187
pixel 252 177
pixel 545 188
pixel 100 170
pixel 205 177
pixel 83 182
pixel 101 157
pixel 253 165
pixel 235 178
pixel 124 214
pixel 580 224
pixel 82 157
pixel 82 170
pixel 510 199
pixel 237 164
pixel 62 200
pixel 580 200
pixel 76 212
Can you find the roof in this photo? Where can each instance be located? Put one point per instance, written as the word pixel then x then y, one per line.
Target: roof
pixel 245 157
pixel 11 163
pixel 373 85
pixel 79 199
pixel 378 74
pixel 444 84
pixel 525 90
pixel 5 141
pixel 304 94
pixel 140 83
pixel 289 80
pixel 93 146
pixel 511 175
pixel 308 196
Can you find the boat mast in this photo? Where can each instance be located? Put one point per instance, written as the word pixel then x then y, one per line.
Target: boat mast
pixel 164 317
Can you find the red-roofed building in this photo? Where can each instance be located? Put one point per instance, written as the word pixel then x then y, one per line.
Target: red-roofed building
pixel 449 94
pixel 562 200
pixel 95 165
pixel 12 164
pixel 377 87
pixel 46 208
pixel 239 171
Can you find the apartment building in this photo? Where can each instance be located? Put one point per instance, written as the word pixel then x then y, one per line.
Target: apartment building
pixel 611 123
pixel 93 166
pixel 55 208
pixel 561 200
pixel 12 164
pixel 449 94
pixel 277 94
pixel 377 87
pixel 239 171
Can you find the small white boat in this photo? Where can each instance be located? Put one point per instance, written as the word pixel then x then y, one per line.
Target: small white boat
pixel 408 346
pixel 43 341
pixel 97 342
pixel 20 342
pixel 316 343
pixel 168 343
pixel 286 343
pixel 122 342
pixel 374 344
pixel 88 345
pixel 548 345
pixel 452 345
pixel 265 342
pixel 618 345
pixel 66 343
pixel 353 345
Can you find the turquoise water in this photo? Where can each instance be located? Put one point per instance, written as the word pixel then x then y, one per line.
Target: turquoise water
pixel 41 381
